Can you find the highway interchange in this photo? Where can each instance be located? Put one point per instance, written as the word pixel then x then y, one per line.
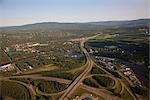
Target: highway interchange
pixel 73 85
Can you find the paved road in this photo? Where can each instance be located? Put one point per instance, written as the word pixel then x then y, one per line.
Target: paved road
pixel 76 83
pixel 123 84
pixel 40 77
pixel 34 91
pixel 83 97
pixel 99 93
pixel 11 61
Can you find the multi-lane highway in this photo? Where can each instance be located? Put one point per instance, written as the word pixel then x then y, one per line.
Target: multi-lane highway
pixel 75 84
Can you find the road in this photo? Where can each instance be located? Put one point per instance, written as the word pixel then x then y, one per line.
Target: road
pixel 76 83
pixel 39 77
pixel 122 83
pixel 99 93
pixel 11 61
pixel 34 91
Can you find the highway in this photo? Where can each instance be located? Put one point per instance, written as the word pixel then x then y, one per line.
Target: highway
pixel 38 77
pixel 106 96
pixel 76 83
pixel 34 91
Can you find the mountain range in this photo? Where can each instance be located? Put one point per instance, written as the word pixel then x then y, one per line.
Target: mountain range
pixel 55 26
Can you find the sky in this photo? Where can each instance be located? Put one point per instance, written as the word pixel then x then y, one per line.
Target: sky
pixel 20 12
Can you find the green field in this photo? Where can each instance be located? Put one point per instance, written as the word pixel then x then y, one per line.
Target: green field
pixel 104 81
pixel 89 82
pixel 96 70
pixel 49 86
pixel 14 90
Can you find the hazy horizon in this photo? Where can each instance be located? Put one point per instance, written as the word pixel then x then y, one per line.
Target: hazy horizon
pixel 16 12
pixel 74 22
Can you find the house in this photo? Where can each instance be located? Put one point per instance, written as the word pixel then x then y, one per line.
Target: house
pixel 127 69
pixel 127 73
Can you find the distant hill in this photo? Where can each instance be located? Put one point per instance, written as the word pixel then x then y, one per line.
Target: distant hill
pixel 54 26
pixel 123 23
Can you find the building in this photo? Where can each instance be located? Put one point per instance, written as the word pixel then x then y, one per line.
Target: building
pixel 8 67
